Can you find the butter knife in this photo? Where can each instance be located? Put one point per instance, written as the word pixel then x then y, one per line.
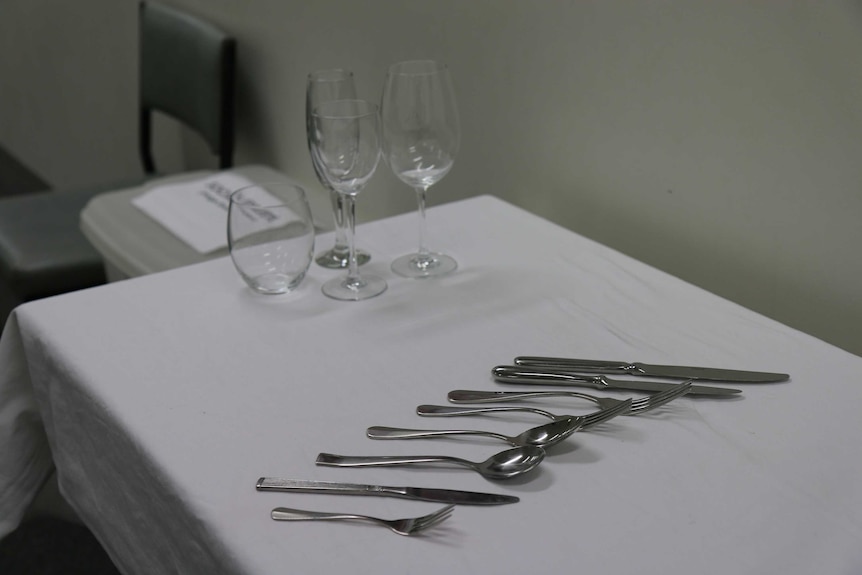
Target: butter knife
pixel 417 493
pixel 671 371
pixel 530 375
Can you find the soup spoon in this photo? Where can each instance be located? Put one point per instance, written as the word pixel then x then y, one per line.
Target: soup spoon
pixel 540 436
pixel 503 465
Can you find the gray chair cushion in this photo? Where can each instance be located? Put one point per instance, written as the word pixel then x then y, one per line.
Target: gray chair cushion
pixel 42 249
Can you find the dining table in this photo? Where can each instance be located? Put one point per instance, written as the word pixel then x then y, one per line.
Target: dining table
pixel 162 399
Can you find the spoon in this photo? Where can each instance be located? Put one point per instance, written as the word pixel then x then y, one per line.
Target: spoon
pixel 503 465
pixel 539 436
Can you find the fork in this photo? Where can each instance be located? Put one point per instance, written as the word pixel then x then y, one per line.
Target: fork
pixel 619 407
pixel 406 526
pixel 640 405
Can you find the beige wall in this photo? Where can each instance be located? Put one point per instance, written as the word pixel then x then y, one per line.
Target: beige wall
pixel 718 140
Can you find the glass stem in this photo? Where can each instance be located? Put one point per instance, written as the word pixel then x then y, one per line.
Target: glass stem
pixel 349 207
pixel 420 198
pixel 339 216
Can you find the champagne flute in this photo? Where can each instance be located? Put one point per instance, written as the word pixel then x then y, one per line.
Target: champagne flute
pixel 421 136
pixel 345 146
pixel 323 86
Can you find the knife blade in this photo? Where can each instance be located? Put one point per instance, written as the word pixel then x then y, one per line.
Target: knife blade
pixel 547 376
pixel 416 493
pixel 645 369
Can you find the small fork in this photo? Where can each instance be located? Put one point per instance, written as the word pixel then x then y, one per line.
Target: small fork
pixel 407 526
pixel 619 407
pixel 640 405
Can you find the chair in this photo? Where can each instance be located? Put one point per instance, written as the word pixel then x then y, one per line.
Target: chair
pixel 186 71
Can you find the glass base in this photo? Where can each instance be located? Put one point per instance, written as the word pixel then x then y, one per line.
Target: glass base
pixel 420 266
pixel 273 283
pixel 347 289
pixel 338 258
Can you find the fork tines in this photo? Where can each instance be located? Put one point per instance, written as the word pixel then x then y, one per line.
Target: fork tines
pixel 605 414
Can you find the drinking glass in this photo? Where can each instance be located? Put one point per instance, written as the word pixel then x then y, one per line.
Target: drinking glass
pixel 270 236
pixel 421 135
pixel 345 145
pixel 324 86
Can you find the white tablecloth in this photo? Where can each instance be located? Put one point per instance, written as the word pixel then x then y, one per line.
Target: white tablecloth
pixel 166 397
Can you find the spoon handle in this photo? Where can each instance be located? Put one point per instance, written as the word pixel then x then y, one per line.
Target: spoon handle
pixel 330 459
pixel 450 411
pixel 380 432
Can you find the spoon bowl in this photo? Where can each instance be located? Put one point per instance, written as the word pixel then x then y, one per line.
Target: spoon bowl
pixel 511 462
pixel 503 465
pixel 550 433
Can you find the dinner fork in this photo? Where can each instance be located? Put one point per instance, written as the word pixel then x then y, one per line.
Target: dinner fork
pixel 406 526
pixel 640 405
pixel 619 407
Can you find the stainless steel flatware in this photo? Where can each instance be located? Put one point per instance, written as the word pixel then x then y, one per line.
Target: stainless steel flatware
pixel 503 465
pixel 540 436
pixel 646 369
pixel 529 375
pixel 639 405
pixel 618 407
pixel 416 493
pixel 408 526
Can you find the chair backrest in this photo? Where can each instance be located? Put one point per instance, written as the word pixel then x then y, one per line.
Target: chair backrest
pixel 187 72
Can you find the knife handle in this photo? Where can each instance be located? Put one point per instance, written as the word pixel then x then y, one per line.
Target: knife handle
pixel 536 376
pixel 311 486
pixel 579 364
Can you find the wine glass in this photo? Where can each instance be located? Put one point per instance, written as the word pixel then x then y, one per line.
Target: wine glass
pixel 421 136
pixel 345 146
pixel 323 86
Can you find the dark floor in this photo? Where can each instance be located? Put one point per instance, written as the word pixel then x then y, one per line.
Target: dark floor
pixel 49 546
pixel 44 545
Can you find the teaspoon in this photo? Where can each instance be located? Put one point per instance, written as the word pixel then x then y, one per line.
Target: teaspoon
pixel 540 436
pixel 503 465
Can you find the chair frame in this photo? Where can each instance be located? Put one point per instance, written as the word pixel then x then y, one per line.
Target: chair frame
pixel 224 146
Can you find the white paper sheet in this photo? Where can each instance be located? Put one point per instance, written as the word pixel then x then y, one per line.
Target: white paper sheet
pixel 195 212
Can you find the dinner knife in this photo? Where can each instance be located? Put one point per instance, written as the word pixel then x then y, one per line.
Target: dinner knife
pixel 671 371
pixel 417 493
pixel 530 375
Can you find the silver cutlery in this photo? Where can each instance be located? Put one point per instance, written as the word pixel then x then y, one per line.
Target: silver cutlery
pixel 645 369
pixel 540 436
pixel 619 407
pixel 526 375
pixel 639 405
pixel 503 465
pixel 416 493
pixel 407 526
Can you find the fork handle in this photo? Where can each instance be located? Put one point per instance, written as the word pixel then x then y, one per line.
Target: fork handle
pixel 288 514
pixel 468 396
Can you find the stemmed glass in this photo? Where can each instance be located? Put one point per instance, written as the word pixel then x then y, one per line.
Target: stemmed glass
pixel 324 86
pixel 421 136
pixel 345 147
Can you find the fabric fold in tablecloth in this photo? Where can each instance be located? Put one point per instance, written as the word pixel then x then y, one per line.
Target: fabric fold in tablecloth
pixel 27 461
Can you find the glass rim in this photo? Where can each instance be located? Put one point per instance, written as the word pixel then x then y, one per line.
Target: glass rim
pixel 423 67
pixel 265 186
pixel 329 74
pixel 370 109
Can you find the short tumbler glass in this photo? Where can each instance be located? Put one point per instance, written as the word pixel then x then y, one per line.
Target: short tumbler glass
pixel 270 235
